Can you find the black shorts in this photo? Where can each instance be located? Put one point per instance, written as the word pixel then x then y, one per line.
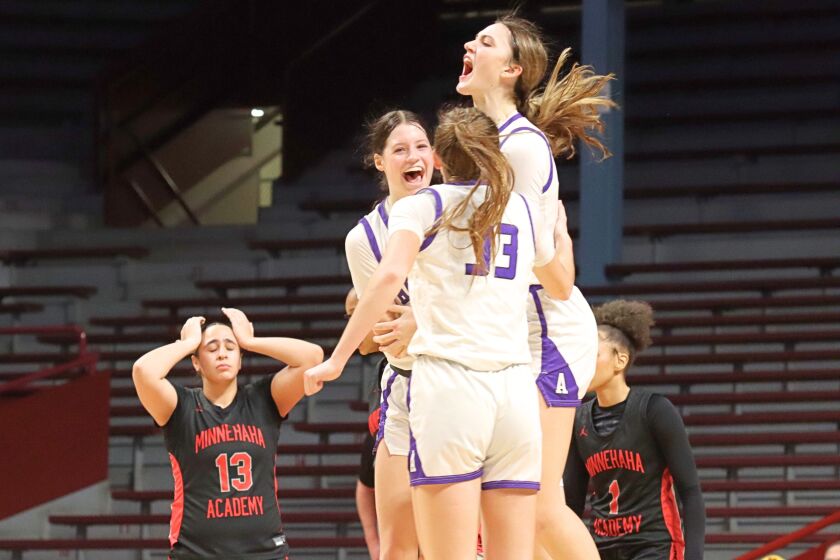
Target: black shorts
pixel 366 462
pixel 653 551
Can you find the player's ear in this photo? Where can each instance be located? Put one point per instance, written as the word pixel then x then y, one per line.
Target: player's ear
pixel 621 360
pixel 437 161
pixel 378 163
pixel 196 364
pixel 512 71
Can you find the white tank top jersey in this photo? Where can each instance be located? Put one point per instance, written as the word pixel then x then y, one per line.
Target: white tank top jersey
pixel 477 321
pixel 364 247
pixel 529 154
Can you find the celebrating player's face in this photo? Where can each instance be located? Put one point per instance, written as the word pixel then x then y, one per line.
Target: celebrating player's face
pixel 406 160
pixel 218 357
pixel 487 56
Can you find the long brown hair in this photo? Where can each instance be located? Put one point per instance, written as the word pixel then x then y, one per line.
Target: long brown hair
pixel 379 129
pixel 565 108
pixel 467 142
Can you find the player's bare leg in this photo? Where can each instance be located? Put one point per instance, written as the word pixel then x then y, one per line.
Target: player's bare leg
pixel 508 517
pixel 447 519
pixel 560 533
pixel 397 532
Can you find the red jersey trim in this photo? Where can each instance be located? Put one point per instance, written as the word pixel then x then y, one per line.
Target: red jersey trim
pixel 177 502
pixel 671 515
pixel 276 489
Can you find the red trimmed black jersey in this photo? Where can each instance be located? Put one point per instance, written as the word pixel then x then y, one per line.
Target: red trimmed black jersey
pixel 223 462
pixel 633 501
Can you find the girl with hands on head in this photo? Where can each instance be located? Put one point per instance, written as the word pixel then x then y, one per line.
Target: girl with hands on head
pixel 222 437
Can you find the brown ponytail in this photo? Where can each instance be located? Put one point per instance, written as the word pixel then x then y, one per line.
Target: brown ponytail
pixel 467 142
pixel 565 109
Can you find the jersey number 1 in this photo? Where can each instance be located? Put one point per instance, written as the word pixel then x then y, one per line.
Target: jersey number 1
pixel 508 248
pixel 242 463
pixel 614 492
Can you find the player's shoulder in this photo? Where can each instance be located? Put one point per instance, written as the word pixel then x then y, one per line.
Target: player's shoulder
pixel 522 132
pixel 358 235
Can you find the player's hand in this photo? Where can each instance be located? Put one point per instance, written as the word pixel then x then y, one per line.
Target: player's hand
pixel 561 226
pixel 243 329
pixel 314 378
pixel 394 336
pixel 191 332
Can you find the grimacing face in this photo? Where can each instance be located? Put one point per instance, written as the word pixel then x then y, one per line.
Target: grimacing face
pixel 219 357
pixel 485 60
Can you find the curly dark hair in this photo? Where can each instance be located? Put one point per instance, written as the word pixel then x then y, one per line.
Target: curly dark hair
pixel 626 323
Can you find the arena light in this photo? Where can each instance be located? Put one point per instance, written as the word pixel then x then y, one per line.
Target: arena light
pixel 256 112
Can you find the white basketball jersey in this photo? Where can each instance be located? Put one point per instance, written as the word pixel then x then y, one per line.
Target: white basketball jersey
pixel 535 174
pixel 364 247
pixel 476 320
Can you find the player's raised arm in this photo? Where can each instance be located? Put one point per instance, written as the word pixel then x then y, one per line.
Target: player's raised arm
pixel 298 355
pixel 156 393
pixel 558 276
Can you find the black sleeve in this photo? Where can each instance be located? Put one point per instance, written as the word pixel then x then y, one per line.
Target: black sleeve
pixel 668 430
pixel 183 396
pixel 262 392
pixel 575 480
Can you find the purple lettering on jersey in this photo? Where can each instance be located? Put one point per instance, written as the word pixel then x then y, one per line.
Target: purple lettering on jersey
pixel 510 249
pixel 547 144
pixel 507 123
pixel 438 214
pixel 371 239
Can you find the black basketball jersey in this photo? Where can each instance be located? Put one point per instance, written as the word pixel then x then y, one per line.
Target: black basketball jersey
pixel 223 462
pixel 633 501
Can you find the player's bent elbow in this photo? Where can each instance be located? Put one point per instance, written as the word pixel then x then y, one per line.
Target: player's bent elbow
pixel 558 290
pixel 137 372
pixel 390 278
pixel 314 355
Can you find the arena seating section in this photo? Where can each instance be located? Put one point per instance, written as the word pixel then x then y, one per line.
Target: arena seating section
pixel 731 232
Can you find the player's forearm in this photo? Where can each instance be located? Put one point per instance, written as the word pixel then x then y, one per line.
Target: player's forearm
pixel 290 351
pixel 368 346
pixel 384 286
pixel 694 518
pixel 558 276
pixel 157 363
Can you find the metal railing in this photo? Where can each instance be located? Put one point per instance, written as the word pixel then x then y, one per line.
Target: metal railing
pixel 85 360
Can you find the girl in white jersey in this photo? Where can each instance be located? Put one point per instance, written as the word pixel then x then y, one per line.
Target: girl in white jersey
pixel 399 148
pixel 503 66
pixel 473 413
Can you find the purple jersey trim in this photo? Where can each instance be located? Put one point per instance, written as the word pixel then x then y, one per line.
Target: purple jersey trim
pixel 371 239
pixel 444 479
pixel 552 364
pixel 530 220
pixel 438 214
pixel 383 213
pixel 383 410
pixel 547 144
pixel 505 124
pixel 510 484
